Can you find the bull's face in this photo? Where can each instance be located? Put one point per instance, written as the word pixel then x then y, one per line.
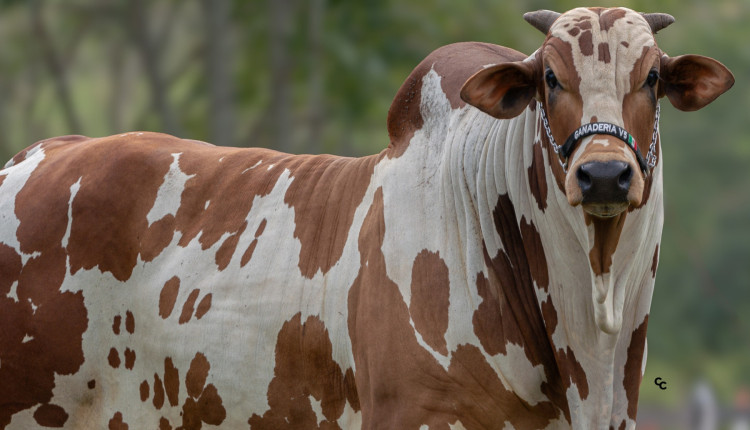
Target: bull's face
pixel 599 66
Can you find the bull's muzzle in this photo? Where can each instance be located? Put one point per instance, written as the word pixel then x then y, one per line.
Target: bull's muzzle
pixel 605 186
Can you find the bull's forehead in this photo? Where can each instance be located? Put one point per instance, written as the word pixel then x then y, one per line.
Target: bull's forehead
pixel 606 45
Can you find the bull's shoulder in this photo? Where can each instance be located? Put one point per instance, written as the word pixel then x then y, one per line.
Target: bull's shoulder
pixel 454 64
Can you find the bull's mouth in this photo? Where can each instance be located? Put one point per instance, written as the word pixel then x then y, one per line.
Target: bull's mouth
pixel 605 210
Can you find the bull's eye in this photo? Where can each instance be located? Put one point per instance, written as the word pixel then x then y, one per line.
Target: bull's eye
pixel 652 78
pixel 551 79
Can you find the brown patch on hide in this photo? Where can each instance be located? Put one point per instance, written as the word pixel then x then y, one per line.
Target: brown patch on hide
pixel 118 181
pixel 164 424
pixel 402 383
pixel 538 177
pixel 116 321
pixel 572 372
pixel 129 322
pixel 604 55
pixel 606 238
pixel 171 381
pixel 250 249
pixel 261 228
pixel 609 17
pixel 325 193
pixel 113 358
pixel 584 23
pixel 586 43
pixel 532 243
pixel 430 293
pixel 632 373
pixel 117 423
pixel 492 326
pixel 189 307
pixel 203 306
pixel 168 297
pixel 49 415
pixel 129 358
pixel 305 370
pixel 144 391
pixel 157 237
pixel 227 248
pixel 158 392
pixel 203 404
pixel 195 380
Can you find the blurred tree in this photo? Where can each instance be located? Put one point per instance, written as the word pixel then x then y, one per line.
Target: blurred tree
pixel 138 24
pixel 54 63
pixel 280 33
pixel 219 67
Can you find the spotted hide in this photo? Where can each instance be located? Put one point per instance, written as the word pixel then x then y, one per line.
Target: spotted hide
pixel 460 279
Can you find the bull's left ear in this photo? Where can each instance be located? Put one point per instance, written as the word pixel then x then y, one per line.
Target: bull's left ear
pixel 503 90
pixel 693 81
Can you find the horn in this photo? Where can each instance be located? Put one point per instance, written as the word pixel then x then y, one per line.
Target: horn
pixel 542 19
pixel 658 21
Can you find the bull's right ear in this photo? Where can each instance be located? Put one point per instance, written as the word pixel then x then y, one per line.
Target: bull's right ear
pixel 693 81
pixel 503 90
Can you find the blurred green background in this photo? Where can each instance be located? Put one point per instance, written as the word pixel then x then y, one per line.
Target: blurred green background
pixel 241 72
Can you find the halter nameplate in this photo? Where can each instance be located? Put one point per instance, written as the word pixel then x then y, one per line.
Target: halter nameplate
pixel 602 128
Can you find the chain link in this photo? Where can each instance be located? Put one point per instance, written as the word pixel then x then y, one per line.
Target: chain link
pixel 555 146
pixel 651 156
pixel 552 141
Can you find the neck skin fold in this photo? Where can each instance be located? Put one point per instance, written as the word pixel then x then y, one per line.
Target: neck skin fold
pixel 595 315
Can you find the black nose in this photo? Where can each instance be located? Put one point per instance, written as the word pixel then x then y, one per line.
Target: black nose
pixel 604 182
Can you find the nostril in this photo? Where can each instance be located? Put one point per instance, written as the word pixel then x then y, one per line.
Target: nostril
pixel 625 177
pixel 584 179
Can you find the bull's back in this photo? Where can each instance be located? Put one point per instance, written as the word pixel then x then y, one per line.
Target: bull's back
pixel 146 279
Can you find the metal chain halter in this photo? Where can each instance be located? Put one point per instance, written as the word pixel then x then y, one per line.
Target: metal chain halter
pixel 589 129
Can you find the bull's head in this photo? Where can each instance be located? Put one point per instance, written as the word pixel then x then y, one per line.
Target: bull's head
pixel 599 66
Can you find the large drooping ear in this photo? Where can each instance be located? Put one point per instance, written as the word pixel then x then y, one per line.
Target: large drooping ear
pixel 693 81
pixel 503 90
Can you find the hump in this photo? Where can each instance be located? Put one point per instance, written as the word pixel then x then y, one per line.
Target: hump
pixel 454 64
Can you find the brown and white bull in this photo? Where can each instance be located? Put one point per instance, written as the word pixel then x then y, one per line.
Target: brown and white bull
pixel 462 278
